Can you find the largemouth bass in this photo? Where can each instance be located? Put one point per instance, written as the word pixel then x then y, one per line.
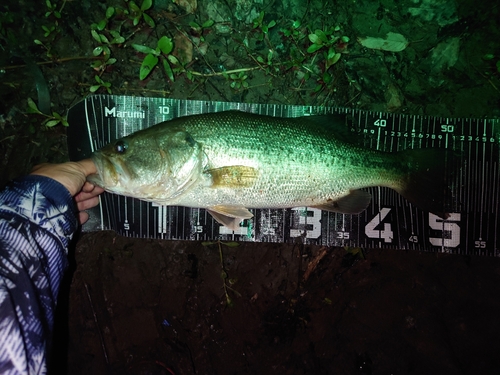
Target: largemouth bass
pixel 227 162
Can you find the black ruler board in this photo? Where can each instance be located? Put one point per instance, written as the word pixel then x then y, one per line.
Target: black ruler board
pixel 388 222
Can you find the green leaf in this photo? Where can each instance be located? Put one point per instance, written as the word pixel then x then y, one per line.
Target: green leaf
pixel 314 47
pixel 101 25
pixel 321 35
pixel 146 4
pixel 94 88
pixel 57 14
pixel 313 38
pixel 38 42
pixel 194 25
pixel 271 24
pixel 147 66
pixel 296 24
pixel 208 243
pixel 327 78
pixel 331 53
pixel 98 79
pixel 333 60
pixel 52 123
pixel 208 23
pixel 111 61
pixel 104 39
pixel 97 51
pixel 165 44
pixel 168 70
pixel 115 34
pixel 109 12
pixel 96 64
pixel 32 107
pixel 148 20
pixel 133 7
pixel 173 59
pixel 118 40
pixel 144 49
pixel 270 56
pixel 95 35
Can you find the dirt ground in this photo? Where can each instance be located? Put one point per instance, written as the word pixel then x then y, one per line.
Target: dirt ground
pixel 138 306
pixel 158 307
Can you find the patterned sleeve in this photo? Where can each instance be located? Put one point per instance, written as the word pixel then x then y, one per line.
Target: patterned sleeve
pixel 37 220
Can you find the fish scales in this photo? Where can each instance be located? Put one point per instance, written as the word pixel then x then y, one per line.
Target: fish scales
pixel 230 161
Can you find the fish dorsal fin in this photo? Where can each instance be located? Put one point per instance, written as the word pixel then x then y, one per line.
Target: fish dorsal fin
pixel 353 203
pixel 229 216
pixel 235 176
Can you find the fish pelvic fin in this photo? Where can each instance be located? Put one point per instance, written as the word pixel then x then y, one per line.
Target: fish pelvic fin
pixel 353 203
pixel 229 216
pixel 428 180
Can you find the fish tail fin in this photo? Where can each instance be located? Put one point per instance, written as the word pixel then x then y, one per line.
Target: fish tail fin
pixel 427 181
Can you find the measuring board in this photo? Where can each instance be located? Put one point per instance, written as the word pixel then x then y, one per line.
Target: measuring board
pixel 389 221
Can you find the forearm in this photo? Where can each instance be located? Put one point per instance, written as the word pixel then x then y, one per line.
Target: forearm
pixel 37 221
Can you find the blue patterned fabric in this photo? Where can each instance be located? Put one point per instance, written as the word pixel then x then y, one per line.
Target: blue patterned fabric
pixel 37 221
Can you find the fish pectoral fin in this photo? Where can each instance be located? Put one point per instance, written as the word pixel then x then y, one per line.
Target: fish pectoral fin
pixel 353 203
pixel 229 216
pixel 235 176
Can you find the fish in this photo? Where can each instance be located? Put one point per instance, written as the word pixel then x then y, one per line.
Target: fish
pixel 227 162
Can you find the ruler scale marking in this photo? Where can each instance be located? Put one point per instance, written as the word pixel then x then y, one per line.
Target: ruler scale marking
pixel 477 185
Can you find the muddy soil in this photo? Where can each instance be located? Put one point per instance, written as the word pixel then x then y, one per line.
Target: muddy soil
pixel 159 307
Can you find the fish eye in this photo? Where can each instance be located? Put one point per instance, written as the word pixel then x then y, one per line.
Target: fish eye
pixel 121 147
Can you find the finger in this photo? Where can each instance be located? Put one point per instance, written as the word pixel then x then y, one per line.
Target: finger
pixel 82 196
pixel 88 187
pixel 88 203
pixel 83 217
pixel 88 166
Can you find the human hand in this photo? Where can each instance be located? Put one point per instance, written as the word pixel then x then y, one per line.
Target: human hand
pixel 73 176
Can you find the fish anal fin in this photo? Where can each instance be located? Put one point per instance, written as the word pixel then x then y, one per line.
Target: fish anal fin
pixel 229 216
pixel 353 203
pixel 235 176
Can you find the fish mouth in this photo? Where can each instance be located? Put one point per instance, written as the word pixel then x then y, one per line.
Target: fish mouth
pixel 106 176
pixel 96 180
